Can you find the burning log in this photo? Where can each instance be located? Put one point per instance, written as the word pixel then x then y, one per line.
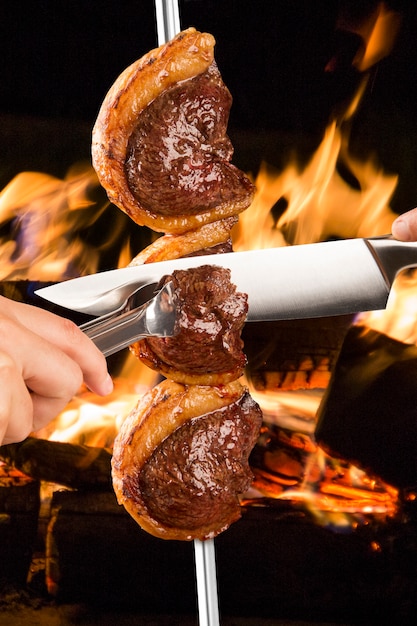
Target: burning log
pixel 369 412
pixel 275 563
pixel 293 354
pixel 19 507
pixel 96 552
pixel 75 466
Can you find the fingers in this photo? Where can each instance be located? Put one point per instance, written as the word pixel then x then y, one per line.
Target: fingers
pixel 44 359
pixel 68 338
pixel 48 375
pixel 15 403
pixel 404 227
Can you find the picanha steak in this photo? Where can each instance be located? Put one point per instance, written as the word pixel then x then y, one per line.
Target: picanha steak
pixel 160 149
pixel 180 460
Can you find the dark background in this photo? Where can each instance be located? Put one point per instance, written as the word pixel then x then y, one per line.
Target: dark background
pixel 58 59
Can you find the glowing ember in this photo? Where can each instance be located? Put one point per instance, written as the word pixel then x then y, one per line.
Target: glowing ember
pixel 12 477
pixel 288 465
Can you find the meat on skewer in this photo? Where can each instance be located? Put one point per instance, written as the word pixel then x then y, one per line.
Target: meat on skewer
pixel 160 149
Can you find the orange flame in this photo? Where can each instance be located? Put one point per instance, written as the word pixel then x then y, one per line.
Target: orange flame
pixel 320 203
pixel 94 421
pixel 378 33
pixel 399 319
pixel 44 212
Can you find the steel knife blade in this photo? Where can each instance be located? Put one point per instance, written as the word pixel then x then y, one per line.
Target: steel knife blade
pixel 294 282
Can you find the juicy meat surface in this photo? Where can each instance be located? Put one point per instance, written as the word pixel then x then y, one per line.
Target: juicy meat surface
pixel 178 157
pixel 195 476
pixel 211 318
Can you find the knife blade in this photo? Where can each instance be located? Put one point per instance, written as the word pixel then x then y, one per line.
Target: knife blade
pixel 302 281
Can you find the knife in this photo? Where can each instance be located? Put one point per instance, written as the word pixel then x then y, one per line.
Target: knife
pixel 301 281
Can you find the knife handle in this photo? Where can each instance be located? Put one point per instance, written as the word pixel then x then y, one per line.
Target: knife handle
pixel 392 255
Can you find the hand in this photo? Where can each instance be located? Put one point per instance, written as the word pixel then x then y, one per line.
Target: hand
pixel 44 359
pixel 404 227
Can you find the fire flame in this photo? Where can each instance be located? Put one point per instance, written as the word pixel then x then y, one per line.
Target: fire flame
pixel 94 421
pixel 399 319
pixel 320 203
pixel 42 214
pixel 378 34
pixel 43 211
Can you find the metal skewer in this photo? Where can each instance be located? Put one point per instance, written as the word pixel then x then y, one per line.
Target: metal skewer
pixel 167 20
pixel 168 25
pixel 205 566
